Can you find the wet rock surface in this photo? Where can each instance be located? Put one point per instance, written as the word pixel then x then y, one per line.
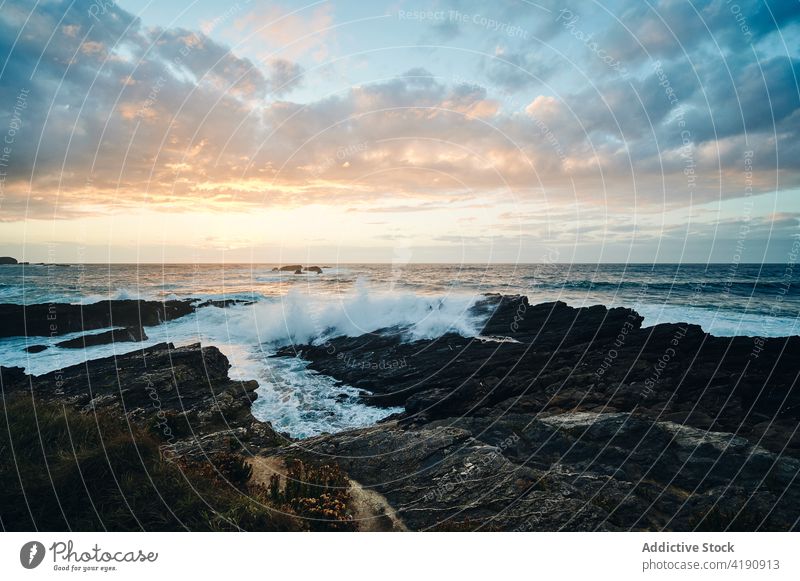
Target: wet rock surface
pixel 54 319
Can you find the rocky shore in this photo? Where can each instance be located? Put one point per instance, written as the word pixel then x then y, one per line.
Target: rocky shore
pixel 559 418
pixel 53 319
pixel 555 418
pixel 183 394
pixel 129 316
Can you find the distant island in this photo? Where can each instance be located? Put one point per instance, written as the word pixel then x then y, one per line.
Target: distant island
pixel 297 269
pixel 11 261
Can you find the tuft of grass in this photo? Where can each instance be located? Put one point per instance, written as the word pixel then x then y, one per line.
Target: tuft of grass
pixel 320 495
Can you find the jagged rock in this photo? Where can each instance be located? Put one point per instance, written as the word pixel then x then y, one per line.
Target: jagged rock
pixel 12 377
pixel 591 422
pixel 566 359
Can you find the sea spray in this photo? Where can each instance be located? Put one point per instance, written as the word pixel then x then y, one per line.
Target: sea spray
pixel 301 318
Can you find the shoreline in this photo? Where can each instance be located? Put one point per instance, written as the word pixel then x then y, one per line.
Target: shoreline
pixel 544 432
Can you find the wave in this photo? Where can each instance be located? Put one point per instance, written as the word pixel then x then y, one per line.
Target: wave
pixel 304 403
pixel 299 317
pixel 295 318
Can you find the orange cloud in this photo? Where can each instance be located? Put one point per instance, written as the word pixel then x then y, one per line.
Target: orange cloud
pixel 90 47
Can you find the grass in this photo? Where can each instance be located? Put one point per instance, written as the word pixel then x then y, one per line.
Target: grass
pixel 64 470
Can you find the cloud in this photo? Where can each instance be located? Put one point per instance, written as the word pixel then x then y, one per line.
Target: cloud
pixel 275 31
pixel 513 71
pixel 114 111
pixel 121 115
pixel 284 76
pixel 669 29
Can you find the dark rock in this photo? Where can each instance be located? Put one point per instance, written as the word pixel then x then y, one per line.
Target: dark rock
pixel 578 472
pixel 298 271
pixel 223 303
pixel 183 394
pixel 513 316
pixel 53 319
pixel 290 268
pixel 316 269
pixel 35 348
pixel 12 378
pixel 8 260
pixel 560 418
pixel 565 359
pixel 113 336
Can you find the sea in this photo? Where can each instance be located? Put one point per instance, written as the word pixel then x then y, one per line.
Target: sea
pixel 416 300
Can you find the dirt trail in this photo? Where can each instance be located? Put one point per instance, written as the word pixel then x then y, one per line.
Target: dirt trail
pixel 372 511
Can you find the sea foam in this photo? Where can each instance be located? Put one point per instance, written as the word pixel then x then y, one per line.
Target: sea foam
pixel 302 318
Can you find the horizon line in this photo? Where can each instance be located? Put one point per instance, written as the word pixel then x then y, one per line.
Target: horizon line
pixel 322 263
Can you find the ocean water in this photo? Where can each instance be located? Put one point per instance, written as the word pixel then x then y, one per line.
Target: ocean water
pixel 416 300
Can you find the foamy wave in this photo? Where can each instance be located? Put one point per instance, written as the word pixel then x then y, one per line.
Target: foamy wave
pixel 301 317
pixel 304 403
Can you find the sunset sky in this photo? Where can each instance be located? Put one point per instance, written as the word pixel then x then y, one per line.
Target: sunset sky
pixel 360 131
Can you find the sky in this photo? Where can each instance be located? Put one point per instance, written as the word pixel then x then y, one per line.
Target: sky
pixel 439 131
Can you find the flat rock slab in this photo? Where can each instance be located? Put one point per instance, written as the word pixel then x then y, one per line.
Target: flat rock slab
pixel 109 337
pixel 48 320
